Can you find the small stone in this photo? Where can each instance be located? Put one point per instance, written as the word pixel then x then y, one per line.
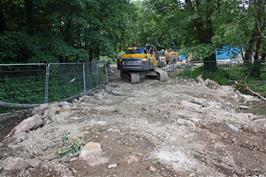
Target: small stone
pixel 133 159
pixel 13 163
pixel 112 166
pixel 152 169
pixel 243 107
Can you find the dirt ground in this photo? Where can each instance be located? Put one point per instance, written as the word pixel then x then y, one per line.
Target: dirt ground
pixel 7 122
pixel 151 129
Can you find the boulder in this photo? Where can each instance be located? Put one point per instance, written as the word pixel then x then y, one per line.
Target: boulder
pixel 40 109
pixel 91 153
pixel 90 148
pixel 27 125
pixel 13 163
pixel 212 84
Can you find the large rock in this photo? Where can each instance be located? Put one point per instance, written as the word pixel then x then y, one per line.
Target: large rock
pixel 13 163
pixel 90 148
pixel 28 124
pixel 41 109
pixel 92 154
pixel 50 112
pixel 212 84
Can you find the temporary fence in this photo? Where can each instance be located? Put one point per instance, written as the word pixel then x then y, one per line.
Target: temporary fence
pixel 37 83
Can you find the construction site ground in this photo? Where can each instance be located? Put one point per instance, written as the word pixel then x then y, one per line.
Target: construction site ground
pixel 151 129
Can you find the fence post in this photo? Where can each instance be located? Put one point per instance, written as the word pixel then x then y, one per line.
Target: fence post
pixel 97 74
pixel 230 75
pixel 84 78
pixel 106 71
pixel 46 95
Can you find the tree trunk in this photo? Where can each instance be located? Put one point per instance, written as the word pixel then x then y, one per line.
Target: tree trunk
pixel 30 27
pixel 68 37
pixel 205 34
pixel 257 63
pixel 91 53
pixel 97 52
pixel 204 30
pixel 210 63
pixel 249 52
pixel 255 42
pixel 2 19
pixel 263 57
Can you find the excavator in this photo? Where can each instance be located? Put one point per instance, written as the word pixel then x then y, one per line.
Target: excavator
pixel 171 56
pixel 140 62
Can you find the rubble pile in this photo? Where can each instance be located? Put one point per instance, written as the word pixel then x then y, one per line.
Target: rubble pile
pixel 177 128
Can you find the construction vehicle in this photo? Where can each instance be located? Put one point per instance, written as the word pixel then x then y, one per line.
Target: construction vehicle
pixel 171 56
pixel 140 62
pixel 162 58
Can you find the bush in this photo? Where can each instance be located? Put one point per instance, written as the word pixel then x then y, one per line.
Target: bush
pixel 225 75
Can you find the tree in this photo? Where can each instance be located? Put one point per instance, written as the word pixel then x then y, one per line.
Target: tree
pixel 258 11
pixel 201 20
pixel 201 26
pixel 63 31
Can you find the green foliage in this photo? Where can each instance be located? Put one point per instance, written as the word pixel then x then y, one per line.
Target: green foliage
pixel 22 90
pixel 72 151
pixel 18 47
pixel 221 76
pixel 224 75
pixel 199 27
pixel 66 136
pixel 199 51
pixel 63 31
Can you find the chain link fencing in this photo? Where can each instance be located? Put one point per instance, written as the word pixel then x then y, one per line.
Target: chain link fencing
pixel 41 83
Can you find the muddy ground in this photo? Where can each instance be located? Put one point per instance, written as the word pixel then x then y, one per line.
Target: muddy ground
pixel 10 120
pixel 176 128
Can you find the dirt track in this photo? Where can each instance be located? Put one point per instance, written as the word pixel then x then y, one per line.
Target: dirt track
pixel 177 128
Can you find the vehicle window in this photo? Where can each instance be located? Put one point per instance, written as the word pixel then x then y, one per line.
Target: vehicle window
pixel 130 51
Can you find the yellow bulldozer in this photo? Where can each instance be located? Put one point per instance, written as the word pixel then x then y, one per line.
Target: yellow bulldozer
pixel 140 62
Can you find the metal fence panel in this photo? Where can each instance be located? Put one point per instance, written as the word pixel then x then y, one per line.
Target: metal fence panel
pixel 90 75
pixel 39 83
pixel 65 80
pixel 22 83
pixel 102 73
